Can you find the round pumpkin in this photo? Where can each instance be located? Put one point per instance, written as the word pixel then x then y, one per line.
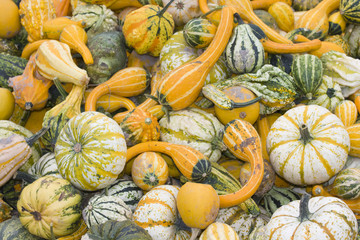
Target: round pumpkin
pixel 219 231
pixel 315 218
pixel 198 204
pixel 91 151
pixel 308 145
pixel 50 201
pixel 239 94
pixel 9 19
pixel 149 170
pixel 8 102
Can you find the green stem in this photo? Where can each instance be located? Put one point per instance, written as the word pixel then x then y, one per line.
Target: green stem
pixel 60 88
pixel 305 134
pixel 244 104
pixel 304 207
pixel 238 18
pixel 211 11
pixel 164 9
pixel 31 140
pixel 24 118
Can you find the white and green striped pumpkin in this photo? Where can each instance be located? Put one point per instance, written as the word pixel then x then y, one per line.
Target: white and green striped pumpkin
pixel 8 128
pixel 308 145
pixel 307 71
pixel 199 32
pixel 102 208
pixel 315 218
pixel 46 165
pixel 157 212
pixel 91 151
pixel 176 52
pixel 328 95
pixel 219 231
pixel 244 52
pixel 347 184
pixel 243 223
pixel 50 201
pixel 195 128
pixel 126 190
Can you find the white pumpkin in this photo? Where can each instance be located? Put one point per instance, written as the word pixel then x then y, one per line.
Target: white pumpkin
pixel 308 145
pixel 315 218
pixel 183 10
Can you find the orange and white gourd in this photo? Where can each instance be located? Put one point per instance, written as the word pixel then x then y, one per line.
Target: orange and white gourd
pixel 354 134
pixel 347 112
pixel 308 145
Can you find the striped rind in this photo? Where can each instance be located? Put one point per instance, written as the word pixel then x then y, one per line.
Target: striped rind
pixel 350 11
pixel 127 191
pixel 347 184
pixel 56 200
pixel 244 52
pixel 102 208
pixel 103 151
pixel 354 134
pixel 199 32
pixel 330 218
pixel 347 112
pixel 46 165
pixel 314 162
pixel 13 229
pixel 219 230
pixel 195 128
pixel 157 212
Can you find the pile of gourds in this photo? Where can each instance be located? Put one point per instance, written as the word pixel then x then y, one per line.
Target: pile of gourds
pixel 179 119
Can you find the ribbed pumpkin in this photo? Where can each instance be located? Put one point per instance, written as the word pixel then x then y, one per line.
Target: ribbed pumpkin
pixel 308 145
pixel 347 112
pixel 126 190
pixel 347 184
pixel 149 170
pixel 90 151
pixel 219 231
pixel 46 165
pixel 140 126
pixel 350 11
pixel 102 208
pixel 199 32
pixel 34 13
pixel 307 71
pixel 148 28
pixel 328 94
pixel 315 218
pixel 354 134
pixel 195 128
pixel 47 203
pixel 12 229
pixel 183 10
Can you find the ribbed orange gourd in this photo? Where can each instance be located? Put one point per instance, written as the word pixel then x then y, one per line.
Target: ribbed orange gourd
pixel 347 112
pixel 354 134
pixel 128 82
pixel 243 141
pixel 62 7
pixel 76 37
pixel 179 88
pixel 31 91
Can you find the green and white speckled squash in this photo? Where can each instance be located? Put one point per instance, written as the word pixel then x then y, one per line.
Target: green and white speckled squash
pixel 307 71
pixel 46 165
pixel 347 184
pixel 244 52
pixel 12 229
pixel 126 190
pixel 91 151
pixel 102 208
pixel 195 128
pixel 176 52
pixel 242 222
pixel 8 128
pixel 328 95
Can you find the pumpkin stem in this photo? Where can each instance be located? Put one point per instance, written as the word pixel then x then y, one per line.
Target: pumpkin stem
pixel 28 105
pixel 305 134
pixel 60 88
pixel 304 207
pixel 107 191
pixel 244 104
pixel 164 9
pixel 31 140
pixel 211 11
pixel 52 231
pixel 238 19
pixel 27 177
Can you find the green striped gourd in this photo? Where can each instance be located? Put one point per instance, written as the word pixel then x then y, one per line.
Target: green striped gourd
pixel 278 197
pixel 46 165
pixel 91 135
pixel 350 11
pixel 126 190
pixel 244 52
pixel 12 229
pixel 11 66
pixel 50 201
pixel 102 208
pixel 243 223
pixel 307 71
pixel 8 128
pixel 328 94
pixel 347 184
pixel 199 32
pixel 195 128
pixel 337 24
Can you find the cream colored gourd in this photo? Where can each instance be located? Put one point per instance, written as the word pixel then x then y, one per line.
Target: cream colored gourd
pixel 219 231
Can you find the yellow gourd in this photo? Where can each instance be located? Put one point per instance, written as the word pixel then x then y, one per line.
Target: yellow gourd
pixel 7 104
pixel 9 19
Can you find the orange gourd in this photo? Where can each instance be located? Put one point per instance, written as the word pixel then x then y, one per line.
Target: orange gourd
pixel 31 89
pixel 9 19
pixel 347 112
pixel 52 28
pixel 62 7
pixel 280 48
pixel 354 134
pixel 127 82
pixel 31 47
pixel 76 37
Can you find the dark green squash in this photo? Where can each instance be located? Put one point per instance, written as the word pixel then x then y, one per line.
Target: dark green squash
pixel 282 61
pixel 10 66
pixel 12 229
pixel 114 230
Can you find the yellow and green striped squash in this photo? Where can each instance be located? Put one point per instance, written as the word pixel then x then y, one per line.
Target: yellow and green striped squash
pixel 347 184
pixel 199 32
pixel 91 151
pixel 219 231
pixel 350 11
pixel 308 145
